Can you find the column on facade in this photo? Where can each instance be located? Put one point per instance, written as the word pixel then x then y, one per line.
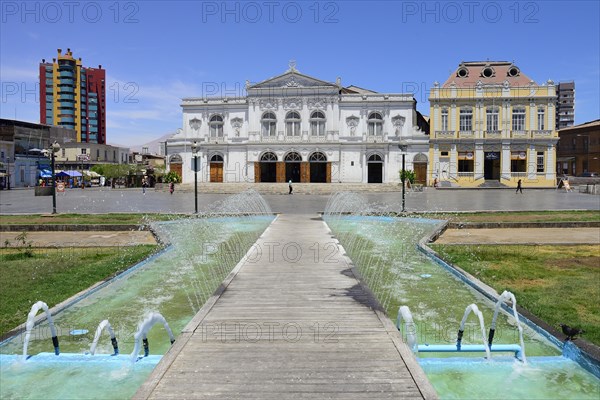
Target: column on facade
pixel 453 126
pixel 506 157
pixel 335 118
pixel 435 162
pixel 532 118
pixel 550 161
pixel 280 113
pixel 479 160
pixel 479 118
pixel 252 119
pixel 531 162
pixel 305 119
pixel 453 167
pixel 365 167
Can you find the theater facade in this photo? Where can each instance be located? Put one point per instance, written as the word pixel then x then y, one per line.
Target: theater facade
pixel 300 128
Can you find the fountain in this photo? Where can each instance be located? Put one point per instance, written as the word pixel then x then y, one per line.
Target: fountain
pixel 142 332
pixel 505 296
pixel 384 250
pixel 201 251
pixel 30 323
pixel 472 308
pixel 104 324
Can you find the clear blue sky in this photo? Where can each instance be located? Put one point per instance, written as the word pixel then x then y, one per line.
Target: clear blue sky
pixel 157 52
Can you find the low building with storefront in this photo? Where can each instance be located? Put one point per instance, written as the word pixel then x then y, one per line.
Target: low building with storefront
pixel 22 151
pixel 579 149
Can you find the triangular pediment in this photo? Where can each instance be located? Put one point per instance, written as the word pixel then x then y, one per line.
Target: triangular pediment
pixel 292 79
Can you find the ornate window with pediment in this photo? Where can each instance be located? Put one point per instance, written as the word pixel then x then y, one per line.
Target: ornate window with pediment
pixel 465 122
pixel 445 119
pixel 375 124
pixel 317 157
pixel 292 124
pixel 518 118
pixel 216 126
pixel 492 119
pixel 269 124
pixel 268 157
pixel 317 123
pixel 293 157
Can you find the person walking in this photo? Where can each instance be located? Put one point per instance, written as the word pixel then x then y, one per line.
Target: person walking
pixel 519 187
pixel 144 184
pixel 171 187
pixel 291 188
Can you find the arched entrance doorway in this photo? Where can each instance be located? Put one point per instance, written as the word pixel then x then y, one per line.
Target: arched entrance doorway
pixel 267 168
pixel 292 167
pixel 318 168
pixel 420 167
pixel 216 168
pixel 176 164
pixel 375 169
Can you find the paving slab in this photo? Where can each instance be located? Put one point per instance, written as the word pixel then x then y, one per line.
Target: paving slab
pixel 291 321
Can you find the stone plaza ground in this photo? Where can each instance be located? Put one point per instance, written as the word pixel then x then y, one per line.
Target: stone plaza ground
pixel 105 200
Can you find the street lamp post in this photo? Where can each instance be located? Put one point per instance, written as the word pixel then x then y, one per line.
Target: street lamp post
pixel 403 147
pixel 195 148
pixel 53 150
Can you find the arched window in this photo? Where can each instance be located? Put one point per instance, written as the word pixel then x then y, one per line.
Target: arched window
pixel 317 157
pixel 317 124
pixel 268 157
pixel 216 126
pixel 375 124
pixel 175 159
pixel 375 158
pixel 292 124
pixel 216 158
pixel 293 157
pixel 269 124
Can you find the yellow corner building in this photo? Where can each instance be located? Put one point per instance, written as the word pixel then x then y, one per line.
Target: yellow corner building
pixel 491 125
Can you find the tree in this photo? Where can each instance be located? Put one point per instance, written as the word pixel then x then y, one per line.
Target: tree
pixel 172 176
pixel 408 175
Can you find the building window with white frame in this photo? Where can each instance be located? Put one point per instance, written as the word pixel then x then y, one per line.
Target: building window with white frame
pixel 492 119
pixel 541 114
pixel 466 119
pixel 269 124
pixel 540 161
pixel 518 118
pixel 375 124
pixel 216 126
pixel 292 124
pixel 444 119
pixel 317 124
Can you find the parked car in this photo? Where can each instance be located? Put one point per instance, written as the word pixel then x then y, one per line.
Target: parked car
pixel 588 175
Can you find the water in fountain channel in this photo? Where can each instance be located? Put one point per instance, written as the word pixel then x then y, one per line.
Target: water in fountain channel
pixel 176 283
pixel 383 248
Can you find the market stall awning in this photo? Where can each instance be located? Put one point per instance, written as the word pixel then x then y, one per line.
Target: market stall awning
pixel 70 174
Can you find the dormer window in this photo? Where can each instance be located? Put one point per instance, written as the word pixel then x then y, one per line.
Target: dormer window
pixel 462 72
pixel 488 72
pixel 513 71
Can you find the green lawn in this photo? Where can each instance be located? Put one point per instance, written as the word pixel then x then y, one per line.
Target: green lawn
pixel 54 275
pixel 559 284
pixel 85 219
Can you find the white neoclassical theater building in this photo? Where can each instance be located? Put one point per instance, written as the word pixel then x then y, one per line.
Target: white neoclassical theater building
pixel 296 127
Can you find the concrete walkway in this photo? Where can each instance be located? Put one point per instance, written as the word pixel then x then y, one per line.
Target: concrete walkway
pixel 291 321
